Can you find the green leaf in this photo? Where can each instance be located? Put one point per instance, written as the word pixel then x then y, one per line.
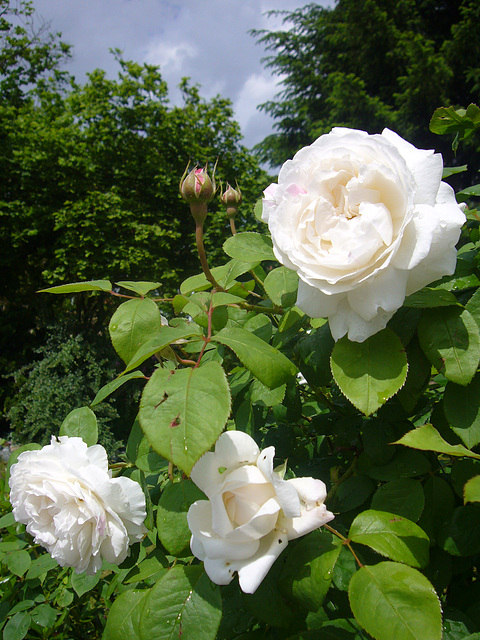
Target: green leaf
pixel 461 405
pixel 18 562
pixel 307 573
pixel 141 287
pixel 148 460
pixel 450 339
pixel 461 122
pixel 463 471
pixel 314 350
pixel 164 337
pixel 419 373
pixel 224 275
pixel 392 536
pixel 351 493
pixel 83 583
pixel 112 386
pixel 182 604
pixel 439 502
pixel 471 490
pixel 7 520
pixel 427 438
pixel 152 566
pixel 450 171
pixel 459 282
pixel 183 412
pixel 81 423
pixel 405 464
pixel 260 394
pixel 426 298
pixel 369 373
pixel 124 616
pixel 392 600
pixel 40 566
pixel 404 497
pixel 266 363
pixel 268 604
pixel 44 615
pixel 258 208
pixel 76 287
pixel 473 306
pixel 281 285
pixel 132 324
pixel 459 534
pixel 249 246
pixel 469 191
pixel 172 526
pixel 17 627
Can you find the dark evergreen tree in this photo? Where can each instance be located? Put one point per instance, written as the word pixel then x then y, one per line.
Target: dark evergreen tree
pixel 369 65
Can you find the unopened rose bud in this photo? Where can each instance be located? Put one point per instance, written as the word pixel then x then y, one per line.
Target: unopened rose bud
pixel 231 198
pixel 197 188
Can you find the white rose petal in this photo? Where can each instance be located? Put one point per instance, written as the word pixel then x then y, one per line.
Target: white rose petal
pixel 251 512
pixel 365 221
pixel 65 495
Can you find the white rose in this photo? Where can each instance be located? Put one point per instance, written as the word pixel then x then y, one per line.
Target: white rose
pixel 251 513
pixel 365 221
pixel 66 496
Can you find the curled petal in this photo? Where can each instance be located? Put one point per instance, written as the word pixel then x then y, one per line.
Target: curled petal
pixel 232 450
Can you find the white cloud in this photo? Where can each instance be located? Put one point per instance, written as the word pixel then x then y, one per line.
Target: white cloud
pixel 258 88
pixel 207 41
pixel 169 55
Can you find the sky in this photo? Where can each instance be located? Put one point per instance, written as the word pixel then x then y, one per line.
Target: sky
pixel 205 40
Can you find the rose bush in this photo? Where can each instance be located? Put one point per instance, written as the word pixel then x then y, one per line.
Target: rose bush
pixel 365 220
pixel 251 513
pixel 67 498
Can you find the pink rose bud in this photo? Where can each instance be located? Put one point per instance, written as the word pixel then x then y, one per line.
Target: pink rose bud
pixel 232 198
pixel 197 188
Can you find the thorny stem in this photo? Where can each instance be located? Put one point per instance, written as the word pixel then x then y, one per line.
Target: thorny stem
pixel 121 465
pixel 232 226
pixel 345 541
pixel 203 256
pixel 258 307
pixel 121 295
pixel 184 361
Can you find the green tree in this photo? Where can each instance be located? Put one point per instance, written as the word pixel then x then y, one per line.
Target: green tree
pixel 89 179
pixel 369 65
pixel 28 51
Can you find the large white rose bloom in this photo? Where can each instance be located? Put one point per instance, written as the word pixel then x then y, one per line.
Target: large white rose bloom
pixel 65 494
pixel 365 220
pixel 251 513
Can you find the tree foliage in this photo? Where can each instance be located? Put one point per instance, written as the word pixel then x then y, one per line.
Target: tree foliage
pixel 89 177
pixel 369 65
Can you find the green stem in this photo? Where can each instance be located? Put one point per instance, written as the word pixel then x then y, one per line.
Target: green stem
pixel 348 473
pixel 345 541
pixel 203 257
